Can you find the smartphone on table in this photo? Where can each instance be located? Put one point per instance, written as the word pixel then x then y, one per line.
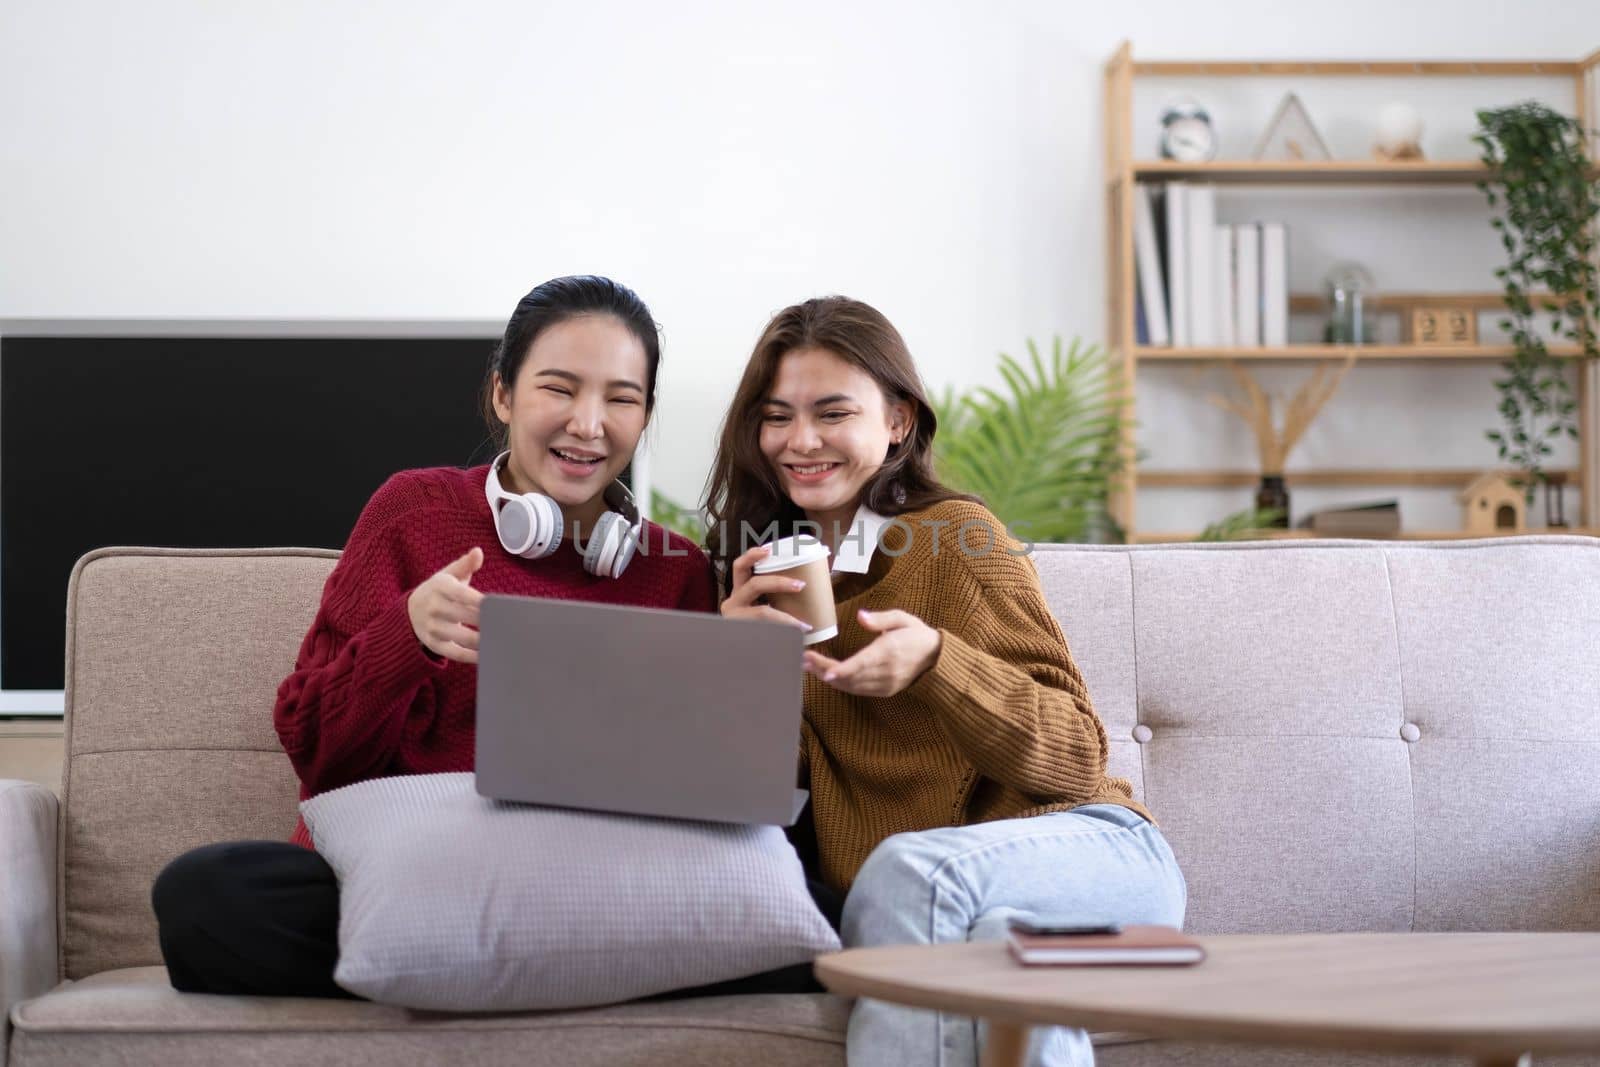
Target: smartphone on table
pixel 1046 929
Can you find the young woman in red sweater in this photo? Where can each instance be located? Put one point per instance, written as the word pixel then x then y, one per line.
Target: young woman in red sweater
pixel 385 681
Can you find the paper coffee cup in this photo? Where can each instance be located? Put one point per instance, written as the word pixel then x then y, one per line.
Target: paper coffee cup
pixel 806 558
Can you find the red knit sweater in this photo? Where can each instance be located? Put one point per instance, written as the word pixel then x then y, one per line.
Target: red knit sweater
pixel 365 700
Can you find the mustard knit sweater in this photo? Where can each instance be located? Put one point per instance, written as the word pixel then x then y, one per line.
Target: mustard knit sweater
pixel 999 727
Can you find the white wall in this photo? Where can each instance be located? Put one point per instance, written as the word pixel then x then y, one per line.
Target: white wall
pixel 332 159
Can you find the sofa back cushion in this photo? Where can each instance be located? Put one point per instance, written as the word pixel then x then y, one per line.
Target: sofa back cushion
pixel 174 657
pixel 1354 735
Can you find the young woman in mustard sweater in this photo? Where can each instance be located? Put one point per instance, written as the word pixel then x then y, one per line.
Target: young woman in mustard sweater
pixel 957 767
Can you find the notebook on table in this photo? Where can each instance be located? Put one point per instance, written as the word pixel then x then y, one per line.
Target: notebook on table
pixel 1160 945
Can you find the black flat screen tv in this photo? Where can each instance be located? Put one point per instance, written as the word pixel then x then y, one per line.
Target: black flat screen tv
pixel 203 442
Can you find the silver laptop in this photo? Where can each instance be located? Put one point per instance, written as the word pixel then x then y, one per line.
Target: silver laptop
pixel 638 710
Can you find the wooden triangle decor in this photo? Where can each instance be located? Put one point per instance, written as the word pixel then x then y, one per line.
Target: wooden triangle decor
pixel 1291 135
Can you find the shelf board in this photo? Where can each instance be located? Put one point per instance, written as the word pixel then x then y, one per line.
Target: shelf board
pixel 1425 478
pixel 1362 352
pixel 1404 535
pixel 1190 68
pixel 1353 171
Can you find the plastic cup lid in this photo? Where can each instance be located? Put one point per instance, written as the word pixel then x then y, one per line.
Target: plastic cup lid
pixel 790 552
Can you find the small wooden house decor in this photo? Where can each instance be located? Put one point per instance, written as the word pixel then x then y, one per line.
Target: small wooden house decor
pixel 1491 504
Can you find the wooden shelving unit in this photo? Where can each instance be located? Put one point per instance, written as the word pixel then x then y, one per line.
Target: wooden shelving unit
pixel 1124 172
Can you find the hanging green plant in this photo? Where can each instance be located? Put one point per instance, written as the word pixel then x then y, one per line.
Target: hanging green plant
pixel 1546 202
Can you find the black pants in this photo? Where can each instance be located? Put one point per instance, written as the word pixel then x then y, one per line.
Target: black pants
pixel 261 918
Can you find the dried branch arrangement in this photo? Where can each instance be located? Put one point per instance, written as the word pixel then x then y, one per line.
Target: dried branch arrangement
pixel 1256 409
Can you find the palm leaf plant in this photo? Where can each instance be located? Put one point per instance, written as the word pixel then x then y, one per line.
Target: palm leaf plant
pixel 678 518
pixel 1243 525
pixel 1043 450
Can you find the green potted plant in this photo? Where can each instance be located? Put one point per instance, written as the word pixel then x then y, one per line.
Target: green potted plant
pixel 1546 202
pixel 1042 452
pixel 1244 525
pixel 678 518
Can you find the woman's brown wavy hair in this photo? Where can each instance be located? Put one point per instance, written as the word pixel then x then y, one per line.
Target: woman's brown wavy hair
pixel 744 493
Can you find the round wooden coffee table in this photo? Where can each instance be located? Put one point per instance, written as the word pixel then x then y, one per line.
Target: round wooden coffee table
pixel 1496 997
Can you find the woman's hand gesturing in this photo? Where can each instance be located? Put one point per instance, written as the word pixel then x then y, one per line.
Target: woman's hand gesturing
pixel 904 648
pixel 444 610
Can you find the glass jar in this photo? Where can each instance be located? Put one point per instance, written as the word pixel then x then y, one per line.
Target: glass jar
pixel 1352 307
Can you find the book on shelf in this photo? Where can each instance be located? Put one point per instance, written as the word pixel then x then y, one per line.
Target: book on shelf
pixel 1201 209
pixel 1132 945
pixel 1247 276
pixel 1177 202
pixel 1158 207
pixel 1224 285
pixel 1379 519
pixel 1151 297
pixel 1274 284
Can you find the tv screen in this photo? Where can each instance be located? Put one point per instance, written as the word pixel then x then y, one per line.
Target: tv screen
pixel 205 442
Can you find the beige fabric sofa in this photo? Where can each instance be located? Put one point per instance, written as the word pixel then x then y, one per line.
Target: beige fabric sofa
pixel 1334 735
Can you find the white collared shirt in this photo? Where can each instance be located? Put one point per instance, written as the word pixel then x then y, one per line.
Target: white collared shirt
pixel 860 542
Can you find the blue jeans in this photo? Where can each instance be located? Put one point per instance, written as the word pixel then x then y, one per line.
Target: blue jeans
pixel 1098 863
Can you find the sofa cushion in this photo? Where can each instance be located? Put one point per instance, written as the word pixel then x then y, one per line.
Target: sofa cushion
pixel 454 902
pixel 1348 735
pixel 174 657
pixel 1502 693
pixel 131 1017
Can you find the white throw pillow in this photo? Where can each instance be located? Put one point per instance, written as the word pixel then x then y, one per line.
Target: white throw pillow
pixel 450 901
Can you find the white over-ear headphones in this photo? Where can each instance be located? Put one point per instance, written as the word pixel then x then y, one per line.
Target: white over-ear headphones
pixel 530 524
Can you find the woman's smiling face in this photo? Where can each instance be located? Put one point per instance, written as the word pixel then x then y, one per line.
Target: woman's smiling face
pixel 826 427
pixel 575 412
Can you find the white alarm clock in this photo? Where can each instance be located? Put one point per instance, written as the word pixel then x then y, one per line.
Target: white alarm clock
pixel 1186 133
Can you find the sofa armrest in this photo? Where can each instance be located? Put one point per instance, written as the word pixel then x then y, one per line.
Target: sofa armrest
pixel 28 964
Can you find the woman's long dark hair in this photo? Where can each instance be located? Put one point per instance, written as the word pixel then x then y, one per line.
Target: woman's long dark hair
pixel 744 494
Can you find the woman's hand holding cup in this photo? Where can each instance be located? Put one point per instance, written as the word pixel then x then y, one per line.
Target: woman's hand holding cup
pixel 444 610
pixel 787 581
pixel 747 600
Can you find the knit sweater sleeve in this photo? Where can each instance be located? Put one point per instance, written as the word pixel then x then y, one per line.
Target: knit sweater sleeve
pixel 1005 688
pixel 361 673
